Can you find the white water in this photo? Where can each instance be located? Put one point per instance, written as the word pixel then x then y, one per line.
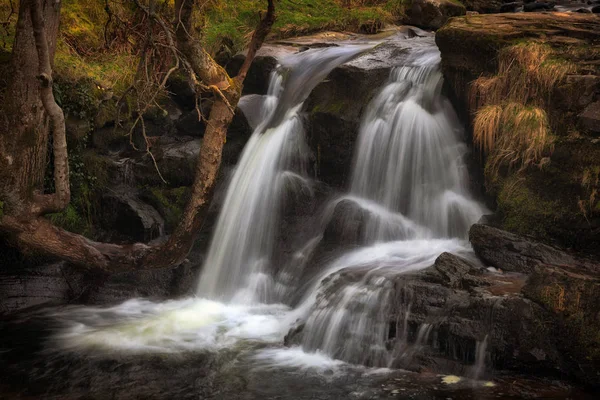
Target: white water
pixel 272 165
pixel 408 177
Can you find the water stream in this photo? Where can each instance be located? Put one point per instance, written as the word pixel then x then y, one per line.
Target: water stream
pixel 409 184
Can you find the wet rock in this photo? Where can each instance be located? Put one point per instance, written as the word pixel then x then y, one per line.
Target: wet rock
pixel 157 284
pixel 510 252
pixel 258 78
pixel 537 6
pixel 123 211
pixel 589 119
pixel 432 14
pixel 48 284
pixel 565 286
pixel 346 227
pixel 335 107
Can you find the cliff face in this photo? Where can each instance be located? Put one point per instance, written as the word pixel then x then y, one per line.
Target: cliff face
pixel 529 86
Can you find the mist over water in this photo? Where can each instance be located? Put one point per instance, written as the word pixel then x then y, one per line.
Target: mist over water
pixel 408 181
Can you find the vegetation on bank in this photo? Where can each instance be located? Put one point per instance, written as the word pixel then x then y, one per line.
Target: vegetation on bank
pixel 98 51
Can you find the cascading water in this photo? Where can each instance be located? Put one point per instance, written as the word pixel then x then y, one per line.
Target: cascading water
pixel 237 265
pixel 409 180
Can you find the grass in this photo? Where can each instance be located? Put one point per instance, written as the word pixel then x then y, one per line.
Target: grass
pixel 235 19
pixel 511 126
pixel 512 135
pixel 486 126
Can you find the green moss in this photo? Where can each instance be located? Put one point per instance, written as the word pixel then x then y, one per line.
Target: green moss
pixel 524 211
pixel 235 19
pixel 71 220
pixel 170 202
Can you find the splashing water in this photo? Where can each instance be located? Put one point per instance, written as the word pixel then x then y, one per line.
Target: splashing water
pixel 408 178
pixel 409 156
pixel 273 162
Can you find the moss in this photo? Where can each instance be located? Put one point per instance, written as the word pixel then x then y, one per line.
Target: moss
pixel 524 211
pixel 71 220
pixel 170 202
pixel 235 19
pixel 332 106
pixel 573 300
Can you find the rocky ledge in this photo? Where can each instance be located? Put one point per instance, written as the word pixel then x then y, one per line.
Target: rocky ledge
pixel 523 307
pixel 547 63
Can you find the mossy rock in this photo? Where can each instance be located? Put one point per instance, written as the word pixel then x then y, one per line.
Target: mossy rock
pixel 169 202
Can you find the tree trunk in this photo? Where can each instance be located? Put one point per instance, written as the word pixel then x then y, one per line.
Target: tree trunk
pixel 36 233
pixel 24 123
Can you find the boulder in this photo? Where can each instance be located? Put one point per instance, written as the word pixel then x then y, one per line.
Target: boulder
pixel 439 318
pixel 556 202
pixel 432 14
pixel 538 6
pixel 336 105
pixel 484 6
pixel 266 60
pixel 566 286
pixel 48 284
pixel 589 119
pixel 125 212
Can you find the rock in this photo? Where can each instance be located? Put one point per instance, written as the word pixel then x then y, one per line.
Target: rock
pixel 436 318
pixel 49 284
pixel 483 6
pixel 177 156
pixel 163 283
pixel 537 6
pixel 510 252
pixel 510 7
pixel 596 10
pixel 334 112
pixel 346 226
pixel 584 10
pixel 432 14
pixel 258 78
pixel 124 212
pixel 544 202
pixel 566 286
pixel 589 119
pixel 190 124
pixel 181 91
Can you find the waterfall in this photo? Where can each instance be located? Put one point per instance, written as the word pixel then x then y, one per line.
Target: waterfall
pixel 273 162
pixel 409 185
pixel 409 155
pixel 410 181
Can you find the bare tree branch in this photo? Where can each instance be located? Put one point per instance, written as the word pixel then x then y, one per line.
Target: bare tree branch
pixel 258 37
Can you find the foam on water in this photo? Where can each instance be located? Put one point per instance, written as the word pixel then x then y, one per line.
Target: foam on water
pixel 172 326
pixel 408 181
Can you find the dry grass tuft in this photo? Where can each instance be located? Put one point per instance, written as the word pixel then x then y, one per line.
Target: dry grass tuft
pixel 486 127
pixel 511 126
pixel 485 90
pixel 512 136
